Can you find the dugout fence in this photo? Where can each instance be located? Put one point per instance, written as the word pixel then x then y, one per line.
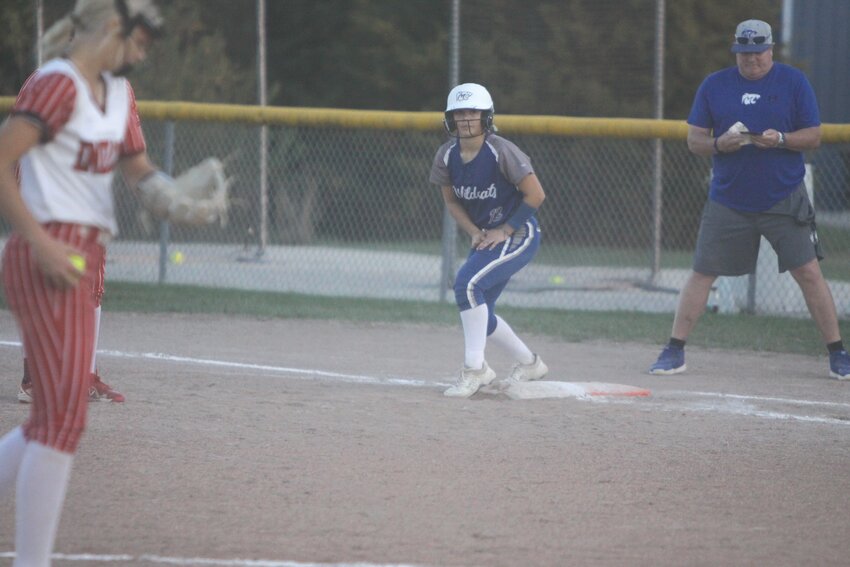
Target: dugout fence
pixel 349 210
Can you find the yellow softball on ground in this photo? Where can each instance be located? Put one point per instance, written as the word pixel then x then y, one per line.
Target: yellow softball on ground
pixel 177 257
pixel 557 280
pixel 79 262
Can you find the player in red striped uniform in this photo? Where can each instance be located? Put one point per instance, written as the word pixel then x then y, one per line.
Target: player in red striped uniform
pixel 74 122
pixel 54 44
pixel 98 390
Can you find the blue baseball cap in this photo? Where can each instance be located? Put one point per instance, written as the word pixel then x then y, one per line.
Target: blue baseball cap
pixel 752 36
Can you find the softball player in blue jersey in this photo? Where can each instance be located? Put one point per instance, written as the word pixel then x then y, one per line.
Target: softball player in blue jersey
pixel 490 189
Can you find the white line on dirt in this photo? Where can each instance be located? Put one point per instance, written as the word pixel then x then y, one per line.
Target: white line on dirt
pixel 202 561
pixel 750 411
pixel 305 373
pixel 299 372
pixel 769 399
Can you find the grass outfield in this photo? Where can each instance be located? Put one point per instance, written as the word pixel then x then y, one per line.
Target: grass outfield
pixel 742 332
pixel 835 241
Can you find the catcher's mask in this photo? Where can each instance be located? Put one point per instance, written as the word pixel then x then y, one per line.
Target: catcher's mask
pixel 469 96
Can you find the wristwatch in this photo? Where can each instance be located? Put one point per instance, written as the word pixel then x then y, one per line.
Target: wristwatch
pixel 781 143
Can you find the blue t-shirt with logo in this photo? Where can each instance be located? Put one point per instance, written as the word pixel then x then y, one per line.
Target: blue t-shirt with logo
pixel 753 179
pixel 486 186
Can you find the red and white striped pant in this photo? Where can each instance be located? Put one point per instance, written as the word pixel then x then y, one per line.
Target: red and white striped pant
pixel 57 329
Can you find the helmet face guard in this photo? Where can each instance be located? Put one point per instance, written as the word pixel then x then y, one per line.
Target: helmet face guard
pixel 451 124
pixel 469 96
pixel 148 17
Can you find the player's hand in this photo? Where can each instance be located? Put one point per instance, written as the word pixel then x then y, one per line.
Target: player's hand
pixel 478 238
pixel 492 238
pixel 53 258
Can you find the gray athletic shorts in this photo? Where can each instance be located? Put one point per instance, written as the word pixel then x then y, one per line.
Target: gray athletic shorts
pixel 728 240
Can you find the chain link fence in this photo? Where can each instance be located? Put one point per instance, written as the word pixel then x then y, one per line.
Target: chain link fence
pixel 350 212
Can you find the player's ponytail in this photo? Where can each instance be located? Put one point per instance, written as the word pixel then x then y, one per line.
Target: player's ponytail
pixel 87 15
pixel 56 39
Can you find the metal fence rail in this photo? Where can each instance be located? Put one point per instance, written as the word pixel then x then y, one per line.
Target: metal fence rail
pixel 350 212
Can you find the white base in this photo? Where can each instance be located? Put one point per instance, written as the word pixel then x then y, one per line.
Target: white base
pixel 582 390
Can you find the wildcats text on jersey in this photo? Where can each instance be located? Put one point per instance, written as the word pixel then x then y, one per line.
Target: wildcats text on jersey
pixel 471 193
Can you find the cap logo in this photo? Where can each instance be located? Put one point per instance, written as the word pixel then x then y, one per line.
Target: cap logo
pixel 749 33
pixel 463 95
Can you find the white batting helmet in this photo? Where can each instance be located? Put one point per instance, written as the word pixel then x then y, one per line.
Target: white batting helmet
pixel 469 96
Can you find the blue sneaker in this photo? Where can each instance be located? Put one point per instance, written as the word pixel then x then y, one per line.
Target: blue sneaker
pixel 839 365
pixel 672 361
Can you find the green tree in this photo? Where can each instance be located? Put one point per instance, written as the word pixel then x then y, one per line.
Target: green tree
pixel 562 57
pixel 596 57
pixel 16 32
pixel 699 36
pixel 190 61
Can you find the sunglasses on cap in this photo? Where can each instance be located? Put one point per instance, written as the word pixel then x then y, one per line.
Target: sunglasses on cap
pixel 757 40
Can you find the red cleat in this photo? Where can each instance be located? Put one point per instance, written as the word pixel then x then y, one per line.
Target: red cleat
pixel 103 391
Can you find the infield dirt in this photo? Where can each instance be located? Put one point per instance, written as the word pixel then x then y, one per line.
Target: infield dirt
pixel 316 441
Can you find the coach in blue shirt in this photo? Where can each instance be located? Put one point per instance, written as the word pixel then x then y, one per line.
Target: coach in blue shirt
pixel 755 119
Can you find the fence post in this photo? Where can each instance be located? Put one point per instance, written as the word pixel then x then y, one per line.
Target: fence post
pixel 658 156
pixel 449 226
pixel 264 131
pixel 164 226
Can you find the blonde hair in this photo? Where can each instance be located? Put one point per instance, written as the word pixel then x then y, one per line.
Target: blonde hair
pixel 90 15
pixel 57 38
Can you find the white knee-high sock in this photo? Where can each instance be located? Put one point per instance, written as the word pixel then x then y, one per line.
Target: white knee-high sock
pixel 42 483
pixel 505 338
pixel 474 335
pixel 96 335
pixel 12 447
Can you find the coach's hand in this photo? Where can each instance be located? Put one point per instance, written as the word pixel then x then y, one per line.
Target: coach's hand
pixel 768 139
pixel 731 141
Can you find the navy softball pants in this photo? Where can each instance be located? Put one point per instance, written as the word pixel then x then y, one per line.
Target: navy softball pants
pixel 485 273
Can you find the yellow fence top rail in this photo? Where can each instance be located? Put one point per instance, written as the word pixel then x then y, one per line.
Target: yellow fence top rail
pixel 624 128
